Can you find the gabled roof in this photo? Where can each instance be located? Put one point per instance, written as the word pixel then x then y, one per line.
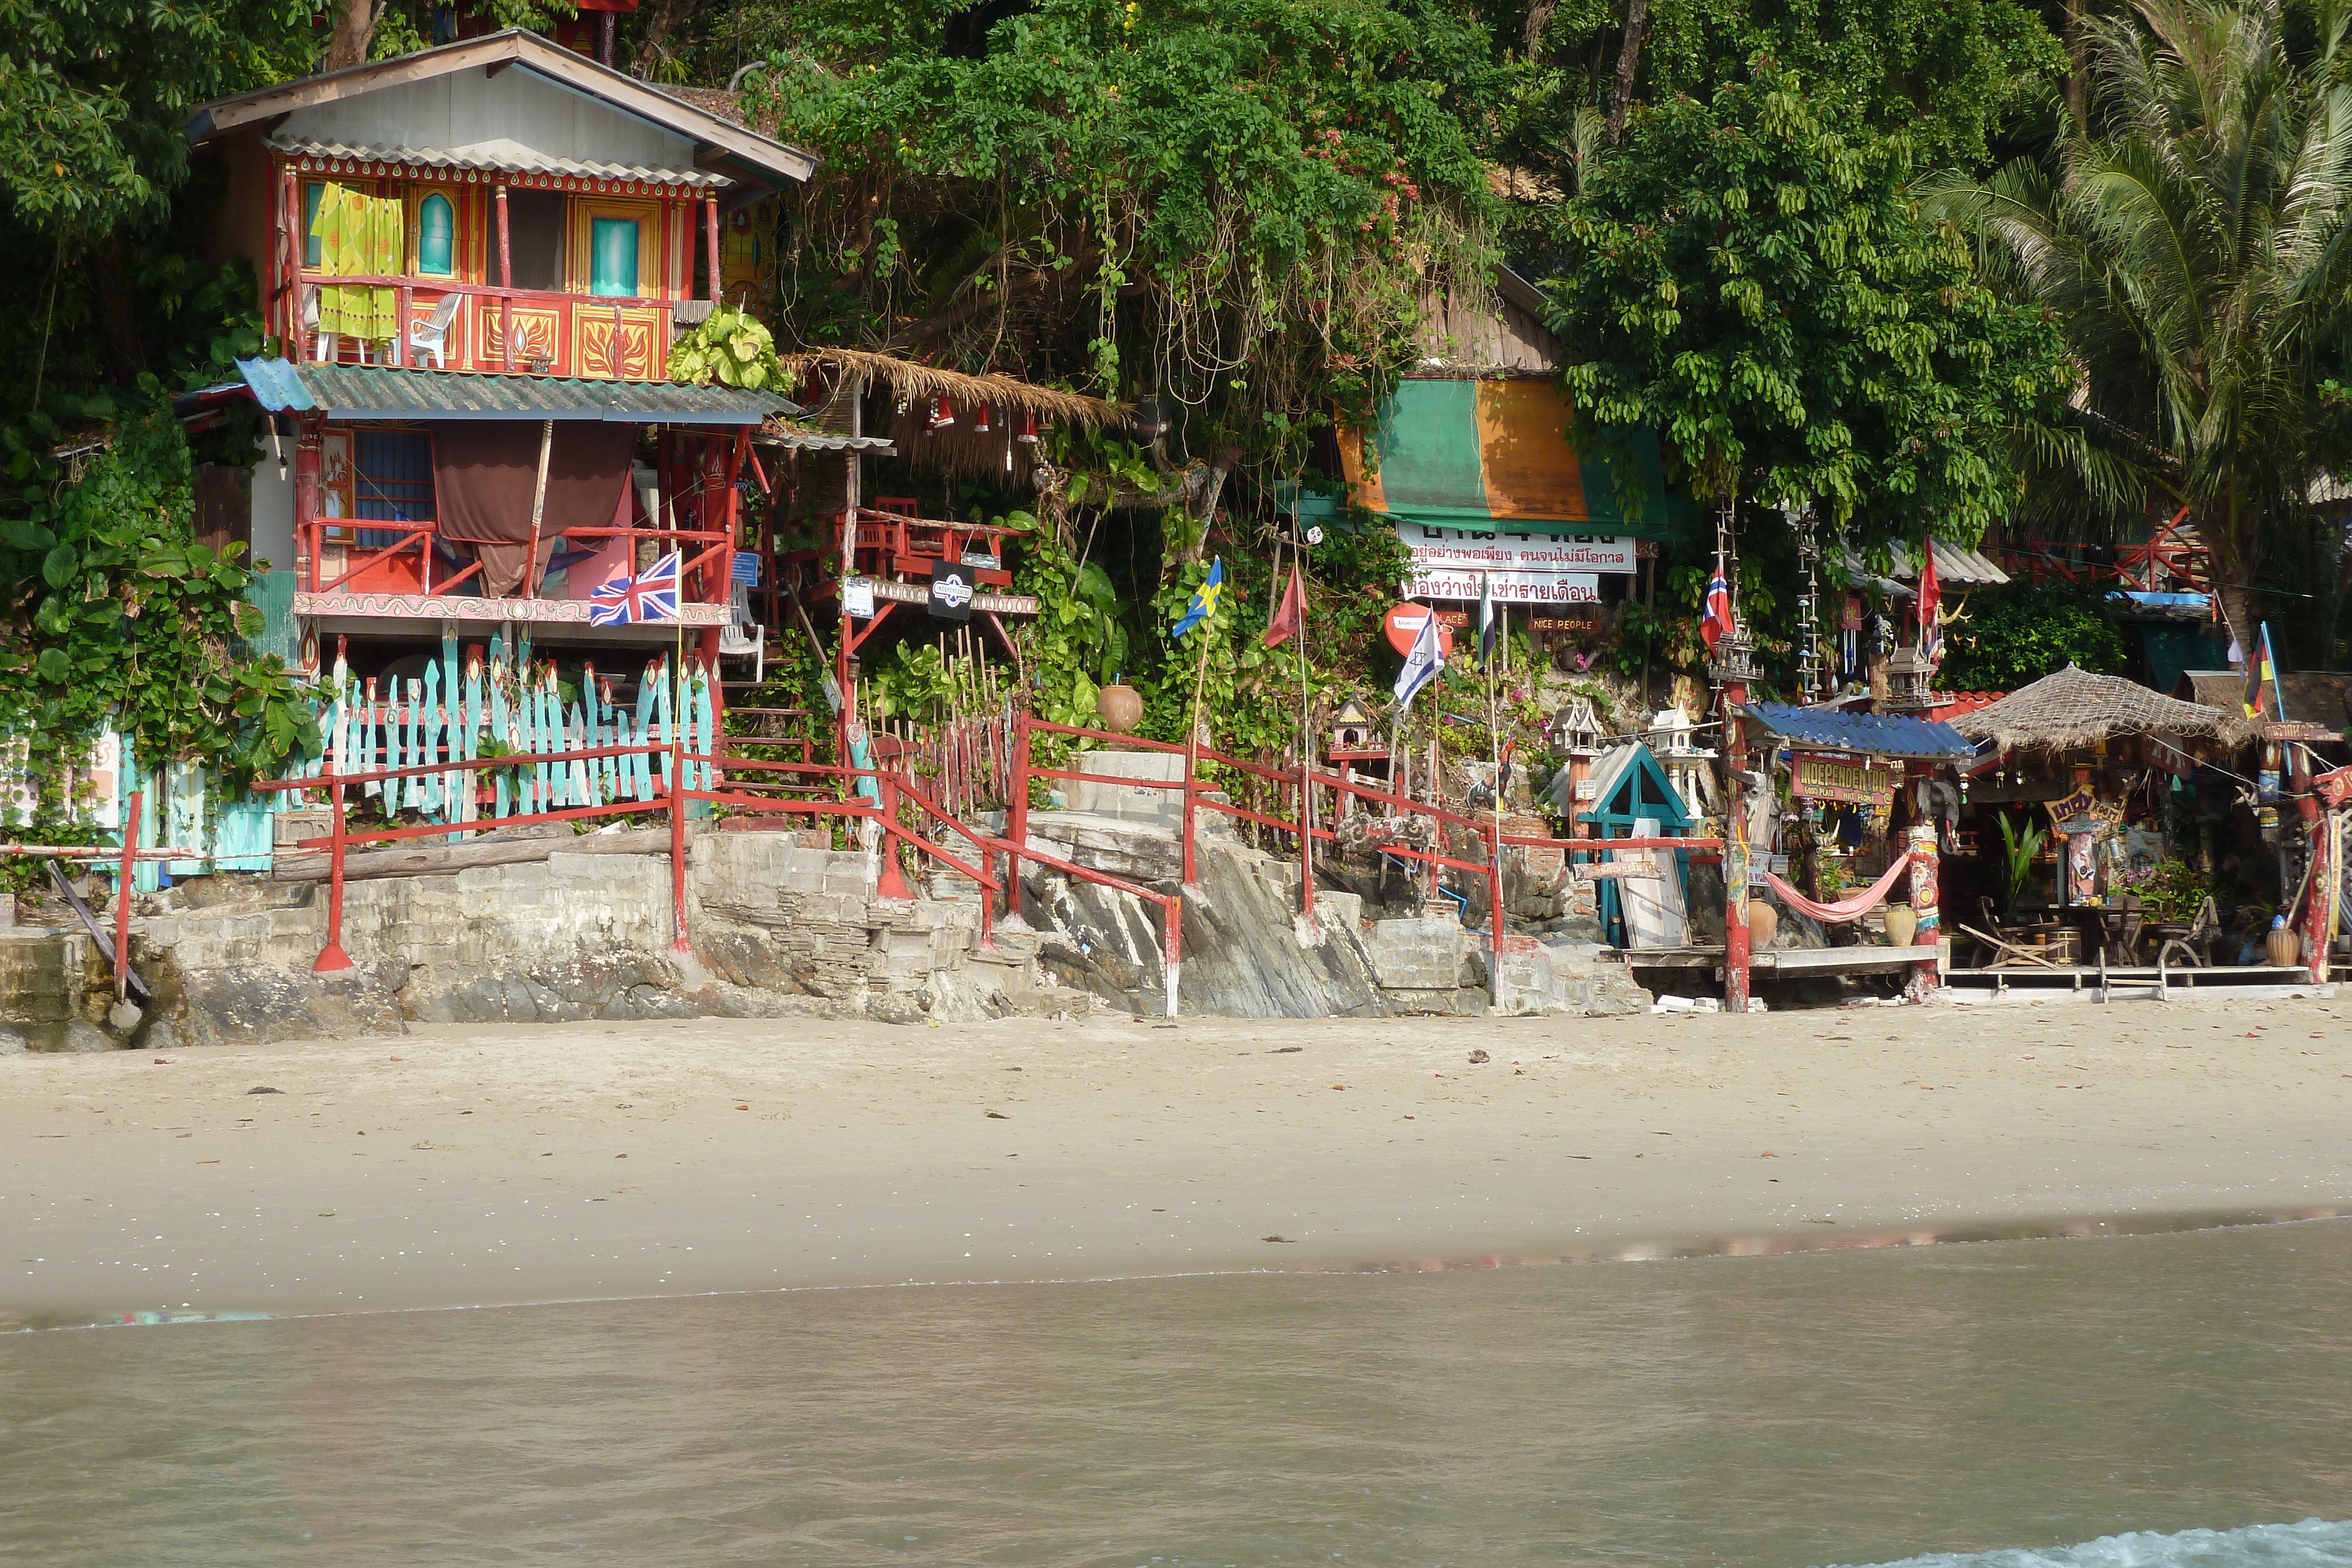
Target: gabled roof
pixel 1635 765
pixel 1873 735
pixel 759 157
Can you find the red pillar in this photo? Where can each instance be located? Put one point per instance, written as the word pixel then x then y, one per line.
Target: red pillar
pixel 710 242
pixel 505 280
pixel 2318 905
pixel 123 895
pixel 1735 851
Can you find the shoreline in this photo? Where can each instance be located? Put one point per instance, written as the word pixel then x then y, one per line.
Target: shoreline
pixel 1689 1250
pixel 469 1166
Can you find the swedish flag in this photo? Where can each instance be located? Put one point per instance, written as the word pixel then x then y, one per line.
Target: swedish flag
pixel 1204 607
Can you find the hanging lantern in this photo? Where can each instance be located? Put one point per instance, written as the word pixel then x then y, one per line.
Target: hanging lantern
pixel 1028 436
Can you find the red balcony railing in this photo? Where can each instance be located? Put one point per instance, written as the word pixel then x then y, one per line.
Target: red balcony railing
pixel 505 330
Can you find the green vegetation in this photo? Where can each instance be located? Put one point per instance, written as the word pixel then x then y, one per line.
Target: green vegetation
pixel 2006 637
pixel 1757 284
pixel 2189 232
pixel 116 614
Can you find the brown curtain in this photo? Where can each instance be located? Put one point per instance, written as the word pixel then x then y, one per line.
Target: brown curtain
pixel 484 472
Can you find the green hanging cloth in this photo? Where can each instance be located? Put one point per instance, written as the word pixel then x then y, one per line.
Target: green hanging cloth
pixel 359 235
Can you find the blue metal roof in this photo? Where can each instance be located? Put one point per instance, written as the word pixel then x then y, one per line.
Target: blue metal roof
pixel 372 392
pixel 1873 734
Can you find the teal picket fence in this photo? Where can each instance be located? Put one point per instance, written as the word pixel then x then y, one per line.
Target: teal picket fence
pixel 503 703
pixel 494 701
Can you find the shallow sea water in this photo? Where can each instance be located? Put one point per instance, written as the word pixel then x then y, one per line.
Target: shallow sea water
pixel 2156 1401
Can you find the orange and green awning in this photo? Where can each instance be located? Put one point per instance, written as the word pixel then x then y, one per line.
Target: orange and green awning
pixel 1502 456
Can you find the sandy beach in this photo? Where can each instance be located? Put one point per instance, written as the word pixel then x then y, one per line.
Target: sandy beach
pixel 471 1167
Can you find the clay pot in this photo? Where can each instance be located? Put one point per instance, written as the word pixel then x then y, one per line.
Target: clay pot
pixel 2283 946
pixel 1902 924
pixel 1763 925
pixel 1121 708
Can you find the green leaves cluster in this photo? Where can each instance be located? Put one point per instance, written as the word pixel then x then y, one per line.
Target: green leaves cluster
pixel 2014 635
pixel 1229 202
pixel 1759 285
pixel 2189 232
pixel 733 348
pixel 117 615
pixel 93 92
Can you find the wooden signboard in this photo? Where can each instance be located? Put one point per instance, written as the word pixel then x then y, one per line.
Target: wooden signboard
pixel 1846 780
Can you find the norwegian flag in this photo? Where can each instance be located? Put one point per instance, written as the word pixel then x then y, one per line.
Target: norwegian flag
pixel 651 595
pixel 1716 625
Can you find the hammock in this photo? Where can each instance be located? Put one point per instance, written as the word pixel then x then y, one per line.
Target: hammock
pixel 1852 907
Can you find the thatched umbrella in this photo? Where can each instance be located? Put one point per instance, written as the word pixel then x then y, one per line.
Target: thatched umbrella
pixel 2076 708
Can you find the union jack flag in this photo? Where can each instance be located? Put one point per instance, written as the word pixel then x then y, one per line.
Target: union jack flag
pixel 651 595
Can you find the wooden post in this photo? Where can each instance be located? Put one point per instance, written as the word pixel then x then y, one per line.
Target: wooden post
pixel 537 510
pixel 306 504
pixel 123 895
pixel 1016 814
pixel 678 940
pixel 1735 852
pixel 710 245
pixel 331 957
pixel 400 332
pixel 293 247
pixel 2318 905
pixel 506 282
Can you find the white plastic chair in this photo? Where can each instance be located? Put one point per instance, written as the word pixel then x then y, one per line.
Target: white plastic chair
pixel 324 350
pixel 430 336
pixel 743 636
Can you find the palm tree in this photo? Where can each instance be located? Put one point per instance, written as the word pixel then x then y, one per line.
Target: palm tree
pixel 2189 230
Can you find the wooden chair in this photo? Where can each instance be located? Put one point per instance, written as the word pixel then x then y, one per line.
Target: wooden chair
pixel 2193 950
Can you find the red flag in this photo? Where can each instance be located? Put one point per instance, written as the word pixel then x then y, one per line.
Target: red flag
pixel 1290 614
pixel 1931 603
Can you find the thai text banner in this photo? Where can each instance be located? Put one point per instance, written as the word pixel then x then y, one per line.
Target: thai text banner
pixel 1509 587
pixel 1457 551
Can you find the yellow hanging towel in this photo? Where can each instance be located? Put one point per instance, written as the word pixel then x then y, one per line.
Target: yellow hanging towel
pixel 359 235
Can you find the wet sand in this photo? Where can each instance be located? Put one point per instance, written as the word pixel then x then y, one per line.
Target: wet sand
pixel 459 1166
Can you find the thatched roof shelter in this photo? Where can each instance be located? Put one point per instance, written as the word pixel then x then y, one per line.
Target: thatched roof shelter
pixel 995 390
pixel 2076 708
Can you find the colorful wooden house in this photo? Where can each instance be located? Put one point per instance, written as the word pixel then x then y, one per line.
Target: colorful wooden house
pixel 474 261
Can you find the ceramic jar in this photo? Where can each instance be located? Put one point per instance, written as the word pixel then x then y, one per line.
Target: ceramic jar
pixel 1121 708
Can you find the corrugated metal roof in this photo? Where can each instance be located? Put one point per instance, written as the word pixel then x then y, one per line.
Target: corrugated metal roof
pixel 1875 735
pixel 508 160
pixel 368 391
pixel 800 438
pixel 1956 566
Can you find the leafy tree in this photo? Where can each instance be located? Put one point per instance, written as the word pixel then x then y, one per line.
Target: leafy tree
pixel 1760 288
pixel 116 614
pixel 2009 636
pixel 1232 204
pixel 93 94
pixel 2189 231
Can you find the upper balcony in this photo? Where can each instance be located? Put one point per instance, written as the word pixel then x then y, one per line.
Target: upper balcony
pixel 417 259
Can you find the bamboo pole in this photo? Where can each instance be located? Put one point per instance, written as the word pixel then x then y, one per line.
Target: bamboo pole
pixel 537 510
